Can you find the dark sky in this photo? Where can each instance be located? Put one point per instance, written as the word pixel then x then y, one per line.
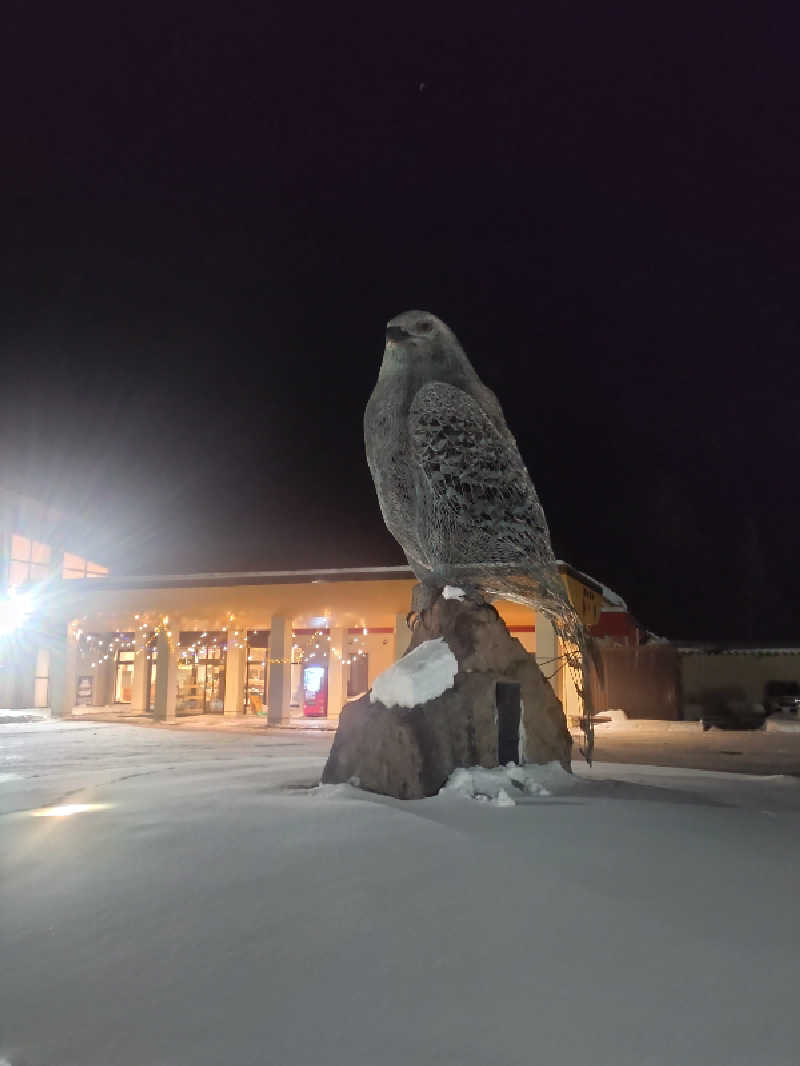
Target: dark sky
pixel 208 218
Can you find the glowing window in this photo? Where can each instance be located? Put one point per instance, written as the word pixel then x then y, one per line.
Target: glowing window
pixel 40 560
pixel 40 553
pixel 76 566
pixel 74 562
pixel 30 560
pixel 17 573
pixel 20 548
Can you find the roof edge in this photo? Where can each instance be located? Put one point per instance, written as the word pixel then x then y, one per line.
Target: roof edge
pixel 242 577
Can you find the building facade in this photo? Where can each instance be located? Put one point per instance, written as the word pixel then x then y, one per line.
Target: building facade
pixel 290 646
pixel 731 672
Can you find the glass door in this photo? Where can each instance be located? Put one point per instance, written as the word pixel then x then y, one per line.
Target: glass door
pixel 123 683
pixel 211 676
pixel 256 685
pixel 201 673
pixel 357 675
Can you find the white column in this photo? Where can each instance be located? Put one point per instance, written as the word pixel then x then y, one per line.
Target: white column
pixel 40 689
pixel 547 651
pixel 166 678
pixel 104 685
pixel 234 675
pixel 23 664
pixel 336 674
pixel 571 700
pixel 280 672
pixel 63 672
pixel 141 673
pixel 402 636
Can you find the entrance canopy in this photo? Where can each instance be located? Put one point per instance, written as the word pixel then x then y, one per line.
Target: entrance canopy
pixel 236 602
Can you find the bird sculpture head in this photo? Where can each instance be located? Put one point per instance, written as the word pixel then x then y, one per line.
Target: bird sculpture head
pixel 418 343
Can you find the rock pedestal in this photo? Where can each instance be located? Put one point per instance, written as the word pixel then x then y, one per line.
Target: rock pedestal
pixel 410 752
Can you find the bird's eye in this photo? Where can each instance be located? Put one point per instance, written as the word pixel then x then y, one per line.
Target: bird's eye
pixel 424 325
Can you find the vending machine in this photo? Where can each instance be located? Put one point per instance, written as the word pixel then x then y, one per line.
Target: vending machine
pixel 315 691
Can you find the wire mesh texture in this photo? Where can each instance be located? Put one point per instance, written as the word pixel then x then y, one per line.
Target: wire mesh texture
pixel 453 488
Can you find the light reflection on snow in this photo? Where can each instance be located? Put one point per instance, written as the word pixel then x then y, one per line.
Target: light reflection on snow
pixel 64 810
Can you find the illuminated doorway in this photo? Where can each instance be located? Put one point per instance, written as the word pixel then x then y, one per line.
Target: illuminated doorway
pixel 202 660
pixel 357 675
pixel 123 676
pixel 256 684
pixel 356 660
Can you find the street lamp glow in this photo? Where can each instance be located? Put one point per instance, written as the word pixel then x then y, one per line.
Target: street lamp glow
pixel 14 611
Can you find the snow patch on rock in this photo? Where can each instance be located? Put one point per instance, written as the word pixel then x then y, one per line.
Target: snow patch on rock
pixel 422 675
pixel 505 785
pixel 522 750
pixel 330 793
pixel 452 592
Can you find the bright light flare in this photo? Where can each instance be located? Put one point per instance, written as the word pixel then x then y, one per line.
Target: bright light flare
pixel 65 810
pixel 14 611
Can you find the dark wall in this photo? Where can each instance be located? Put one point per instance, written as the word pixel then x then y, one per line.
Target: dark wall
pixel 643 681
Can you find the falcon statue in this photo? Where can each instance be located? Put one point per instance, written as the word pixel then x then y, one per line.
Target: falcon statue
pixel 452 486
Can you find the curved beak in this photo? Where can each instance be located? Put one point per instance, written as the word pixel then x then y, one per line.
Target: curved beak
pixel 397 333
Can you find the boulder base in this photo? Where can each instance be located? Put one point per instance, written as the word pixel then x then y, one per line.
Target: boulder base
pixel 410 753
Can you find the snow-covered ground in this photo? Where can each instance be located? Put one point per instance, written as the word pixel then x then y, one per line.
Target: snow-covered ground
pixel 205 906
pixel 774 749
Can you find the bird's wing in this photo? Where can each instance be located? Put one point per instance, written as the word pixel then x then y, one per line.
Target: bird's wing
pixel 476 503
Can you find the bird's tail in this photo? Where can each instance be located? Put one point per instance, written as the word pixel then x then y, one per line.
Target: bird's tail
pixel 542 589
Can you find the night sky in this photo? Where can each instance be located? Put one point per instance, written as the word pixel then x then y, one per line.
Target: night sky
pixel 209 217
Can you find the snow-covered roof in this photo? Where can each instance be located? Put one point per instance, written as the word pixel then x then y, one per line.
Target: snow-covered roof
pixel 613 599
pixel 247 577
pixel 654 638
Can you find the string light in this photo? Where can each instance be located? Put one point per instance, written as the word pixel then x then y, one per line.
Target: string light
pixel 320 641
